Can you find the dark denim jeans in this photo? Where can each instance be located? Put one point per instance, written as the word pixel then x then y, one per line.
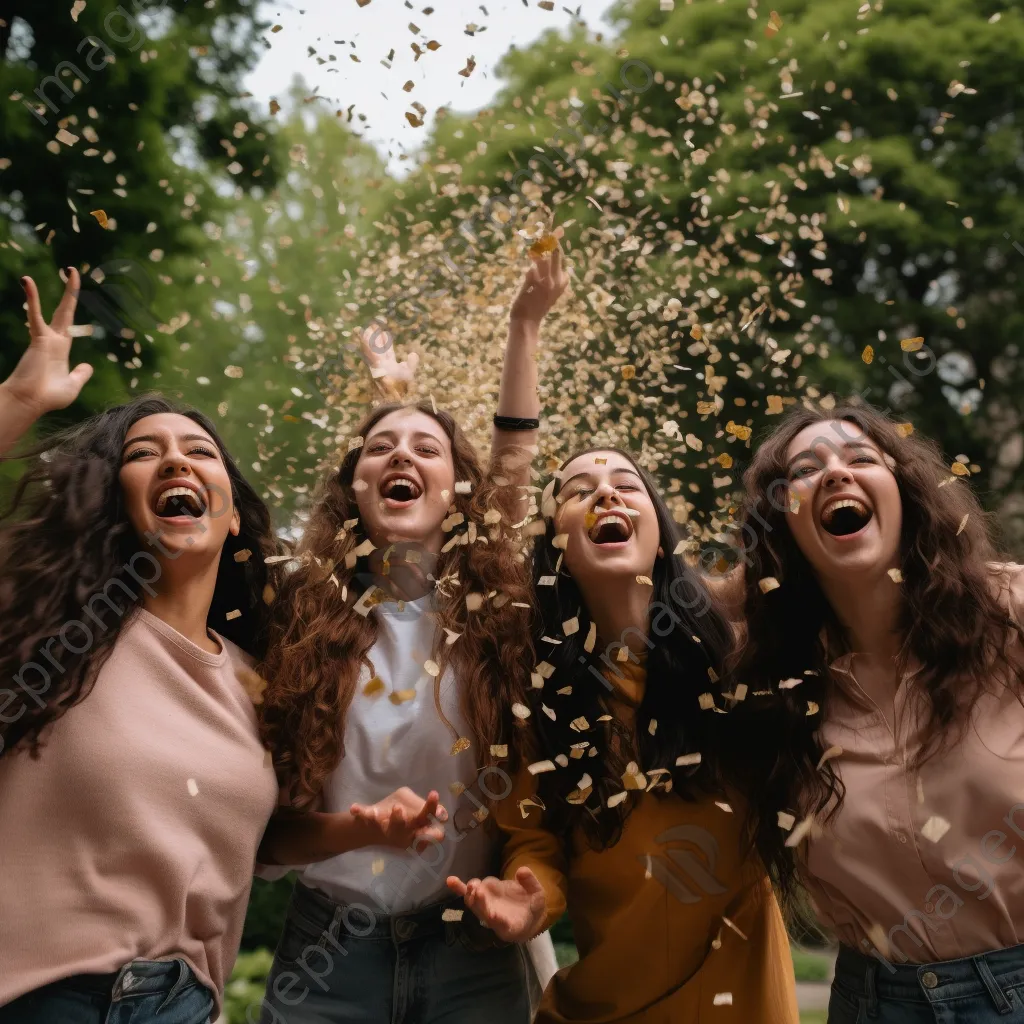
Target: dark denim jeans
pixel 343 964
pixel 144 991
pixel 983 989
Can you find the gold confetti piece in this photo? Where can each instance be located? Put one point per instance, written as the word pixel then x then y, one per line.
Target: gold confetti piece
pixel 560 540
pixel 687 759
pixel 571 626
pixel 541 766
pixel 706 701
pixel 622 654
pixel 451 914
pixel 450 636
pixel 694 442
pixel 652 727
pixel 769 583
pixel 963 523
pixel 774 405
pixel 456 788
pixel 253 684
pixel 409 86
pixel 722 999
pixel 373 687
pixel 463 486
pixel 277 28
pixel 904 429
pixel 275 107
pixel 233 614
pixel 786 820
pixel 628 372
pixel 432 668
pixel 461 744
pixel 101 217
pixel 377 866
pixel 269 594
pixel 474 602
pixel 911 344
pixel 935 828
pixel 76 9
pixel 724 806
pixel 588 644
pixel 645 581
pixel 741 433
pixel 243 556
pixel 401 696
pixel 521 711
pixel 868 354
pixel 788 684
pixel 895 575
pixel 193 789
pixel 616 798
pixel 959 469
pixel 796 836
pixel 731 925
pixel 546 5
pixel 499 750
pixel 547 711
pixel 812 708
pixel 680 548
pixel 579 724
pixel 833 751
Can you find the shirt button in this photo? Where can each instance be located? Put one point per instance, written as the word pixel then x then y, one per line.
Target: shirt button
pixel 929 979
pixel 929 908
pixel 903 838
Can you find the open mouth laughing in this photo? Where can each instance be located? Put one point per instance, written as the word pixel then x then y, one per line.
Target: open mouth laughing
pixel 612 527
pixel 176 502
pixel 399 491
pixel 845 517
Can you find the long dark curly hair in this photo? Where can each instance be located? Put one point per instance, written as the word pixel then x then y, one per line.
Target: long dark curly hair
pixel 688 639
pixel 66 551
pixel 951 620
pixel 319 641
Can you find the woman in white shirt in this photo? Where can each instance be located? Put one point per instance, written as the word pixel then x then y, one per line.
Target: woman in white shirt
pixel 399 642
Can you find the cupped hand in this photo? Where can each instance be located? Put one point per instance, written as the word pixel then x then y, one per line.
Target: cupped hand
pixel 403 819
pixel 43 379
pixel 513 908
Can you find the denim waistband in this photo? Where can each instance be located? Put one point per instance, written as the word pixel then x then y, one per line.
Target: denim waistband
pixel 365 922
pixel 138 978
pixel 992 973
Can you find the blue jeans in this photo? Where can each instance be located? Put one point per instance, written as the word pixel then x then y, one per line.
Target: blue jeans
pixel 983 989
pixel 161 991
pixel 341 963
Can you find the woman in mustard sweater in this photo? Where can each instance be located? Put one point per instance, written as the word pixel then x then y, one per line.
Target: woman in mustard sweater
pixel 621 809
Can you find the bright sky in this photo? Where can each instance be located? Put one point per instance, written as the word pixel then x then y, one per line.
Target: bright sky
pixel 372 31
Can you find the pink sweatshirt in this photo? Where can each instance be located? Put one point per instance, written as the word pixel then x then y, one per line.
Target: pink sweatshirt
pixel 134 834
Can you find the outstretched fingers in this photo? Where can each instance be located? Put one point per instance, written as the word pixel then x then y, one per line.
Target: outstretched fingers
pixel 36 323
pixel 64 315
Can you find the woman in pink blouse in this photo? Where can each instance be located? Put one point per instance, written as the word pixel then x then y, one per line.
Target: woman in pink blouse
pixel 883 713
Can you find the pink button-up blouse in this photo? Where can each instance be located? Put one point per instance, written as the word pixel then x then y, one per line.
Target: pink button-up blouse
pixel 928 865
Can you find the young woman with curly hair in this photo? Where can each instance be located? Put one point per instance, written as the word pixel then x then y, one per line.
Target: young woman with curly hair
pixel 398 643
pixel 625 815
pixel 133 785
pixel 885 712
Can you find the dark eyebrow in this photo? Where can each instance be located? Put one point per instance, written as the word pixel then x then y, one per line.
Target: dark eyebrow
pixel 391 435
pixel 587 473
pixel 181 437
pixel 808 454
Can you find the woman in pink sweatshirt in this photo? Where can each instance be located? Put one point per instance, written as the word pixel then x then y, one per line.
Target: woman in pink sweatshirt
pixel 134 789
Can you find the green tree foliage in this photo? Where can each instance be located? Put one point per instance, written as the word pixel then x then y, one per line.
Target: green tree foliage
pixel 130 110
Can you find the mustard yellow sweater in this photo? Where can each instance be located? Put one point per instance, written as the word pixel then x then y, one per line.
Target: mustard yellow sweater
pixel 649 914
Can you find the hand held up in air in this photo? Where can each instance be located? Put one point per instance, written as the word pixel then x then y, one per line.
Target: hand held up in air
pixel 43 379
pixel 391 377
pixel 541 288
pixel 402 819
pixel 513 908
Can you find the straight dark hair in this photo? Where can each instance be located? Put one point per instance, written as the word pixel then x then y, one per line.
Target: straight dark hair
pixel 687 643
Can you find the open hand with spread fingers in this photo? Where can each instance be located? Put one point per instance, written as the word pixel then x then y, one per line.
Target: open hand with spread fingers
pixel 391 376
pixel 402 819
pixel 43 379
pixel 514 909
pixel 541 288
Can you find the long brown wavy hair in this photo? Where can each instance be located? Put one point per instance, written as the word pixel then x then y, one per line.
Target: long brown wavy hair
pixel 66 550
pixel 319 641
pixel 952 620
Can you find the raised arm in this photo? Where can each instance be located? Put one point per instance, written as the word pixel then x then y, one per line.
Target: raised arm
pixel 544 283
pixel 391 377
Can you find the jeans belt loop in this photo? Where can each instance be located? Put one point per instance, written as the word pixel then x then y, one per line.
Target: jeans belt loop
pixel 870 989
pixel 996 994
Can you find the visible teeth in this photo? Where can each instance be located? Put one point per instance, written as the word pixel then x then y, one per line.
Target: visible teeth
pixel 828 514
pixel 400 481
pixel 177 492
pixel 611 518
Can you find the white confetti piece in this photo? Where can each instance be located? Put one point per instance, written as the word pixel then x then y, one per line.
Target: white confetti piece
pixel 935 828
pixel 193 789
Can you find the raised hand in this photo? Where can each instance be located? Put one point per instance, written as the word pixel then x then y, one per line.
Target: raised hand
pixel 43 380
pixel 402 819
pixel 544 283
pixel 514 909
pixel 391 376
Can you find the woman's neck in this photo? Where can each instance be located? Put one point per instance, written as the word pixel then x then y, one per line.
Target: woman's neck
pixel 621 614
pixel 403 577
pixel 183 601
pixel 869 612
